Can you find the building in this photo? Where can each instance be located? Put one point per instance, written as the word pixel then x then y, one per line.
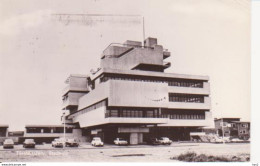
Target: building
pixel 47 133
pixel 130 96
pixel 3 133
pixel 232 127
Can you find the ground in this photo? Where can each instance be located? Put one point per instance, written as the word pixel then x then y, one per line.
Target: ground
pixel 112 153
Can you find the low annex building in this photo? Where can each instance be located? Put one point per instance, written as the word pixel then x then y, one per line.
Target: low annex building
pixel 130 96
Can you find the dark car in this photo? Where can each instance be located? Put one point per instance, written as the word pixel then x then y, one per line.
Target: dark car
pixel 71 143
pixel 153 141
pixel 29 143
pixel 8 143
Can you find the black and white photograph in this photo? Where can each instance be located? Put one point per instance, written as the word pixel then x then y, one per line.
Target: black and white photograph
pixel 125 81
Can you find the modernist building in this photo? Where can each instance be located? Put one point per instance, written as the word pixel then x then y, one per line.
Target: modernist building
pixel 131 96
pixel 232 127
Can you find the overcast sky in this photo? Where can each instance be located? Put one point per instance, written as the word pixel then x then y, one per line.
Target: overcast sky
pixel 37 52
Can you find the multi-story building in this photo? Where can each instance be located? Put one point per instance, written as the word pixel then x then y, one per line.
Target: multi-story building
pixel 131 96
pixel 232 127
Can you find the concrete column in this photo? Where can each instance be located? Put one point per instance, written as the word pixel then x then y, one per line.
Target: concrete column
pixel 41 130
pixel 133 138
pixel 51 130
pixel 140 137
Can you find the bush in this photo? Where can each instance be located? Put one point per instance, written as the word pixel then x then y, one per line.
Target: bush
pixel 193 157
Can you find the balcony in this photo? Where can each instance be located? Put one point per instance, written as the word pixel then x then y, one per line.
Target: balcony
pixel 191 90
pixel 166 65
pixel 206 105
pixel 166 54
pixel 72 88
pixel 69 102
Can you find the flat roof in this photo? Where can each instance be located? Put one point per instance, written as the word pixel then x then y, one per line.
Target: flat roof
pixel 75 75
pixel 27 126
pixel 149 73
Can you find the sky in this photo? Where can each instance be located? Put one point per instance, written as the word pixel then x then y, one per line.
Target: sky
pixel 38 52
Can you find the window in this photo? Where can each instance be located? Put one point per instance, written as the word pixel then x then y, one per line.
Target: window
pixel 186 83
pixel 175 97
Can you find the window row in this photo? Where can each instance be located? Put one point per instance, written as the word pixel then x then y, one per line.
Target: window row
pixel 186 98
pixel 48 130
pixel 153 114
pixel 185 116
pixel 133 113
pixel 186 84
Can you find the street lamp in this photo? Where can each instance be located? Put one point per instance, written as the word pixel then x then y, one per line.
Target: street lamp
pixel 64 129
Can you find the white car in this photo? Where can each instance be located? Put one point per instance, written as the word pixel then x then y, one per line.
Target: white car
pixel 165 141
pixel 97 142
pixel 236 140
pixel 8 143
pixel 120 141
pixel 57 143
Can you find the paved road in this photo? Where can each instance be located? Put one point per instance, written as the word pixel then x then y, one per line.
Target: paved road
pixel 139 153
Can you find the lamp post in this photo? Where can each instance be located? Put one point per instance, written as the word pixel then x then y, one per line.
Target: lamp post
pixel 64 129
pixel 223 130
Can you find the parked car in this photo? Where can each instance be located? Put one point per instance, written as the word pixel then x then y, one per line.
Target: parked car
pixel 153 141
pixel 8 143
pixel 236 140
pixel 165 141
pixel 57 143
pixel 96 141
pixel 71 143
pixel 29 143
pixel 120 141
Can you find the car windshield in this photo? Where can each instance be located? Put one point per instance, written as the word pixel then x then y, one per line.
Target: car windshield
pixel 120 139
pixel 71 140
pixel 96 139
pixel 164 138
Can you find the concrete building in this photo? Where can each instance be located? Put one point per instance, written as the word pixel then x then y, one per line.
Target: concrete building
pixel 232 127
pixel 130 96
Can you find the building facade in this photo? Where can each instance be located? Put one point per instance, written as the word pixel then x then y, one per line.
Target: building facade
pixel 232 127
pixel 130 96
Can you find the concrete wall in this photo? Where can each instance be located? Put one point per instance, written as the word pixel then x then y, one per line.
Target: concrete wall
pixel 138 94
pixel 91 118
pixel 73 99
pixel 99 93
pixel 76 83
pixel 135 57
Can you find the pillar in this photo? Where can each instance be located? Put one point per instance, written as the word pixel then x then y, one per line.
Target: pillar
pixel 133 138
pixel 140 138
